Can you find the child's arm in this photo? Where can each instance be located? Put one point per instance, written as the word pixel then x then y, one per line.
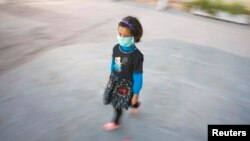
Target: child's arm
pixel 112 66
pixel 137 85
pixel 137 79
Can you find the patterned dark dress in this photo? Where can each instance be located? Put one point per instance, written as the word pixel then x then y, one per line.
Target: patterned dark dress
pixel 119 88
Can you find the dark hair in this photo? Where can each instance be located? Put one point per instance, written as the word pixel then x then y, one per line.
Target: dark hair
pixel 134 26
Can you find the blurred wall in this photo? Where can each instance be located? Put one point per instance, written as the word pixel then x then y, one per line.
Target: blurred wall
pixel 245 2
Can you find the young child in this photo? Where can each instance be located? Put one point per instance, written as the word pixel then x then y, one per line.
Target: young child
pixel 126 71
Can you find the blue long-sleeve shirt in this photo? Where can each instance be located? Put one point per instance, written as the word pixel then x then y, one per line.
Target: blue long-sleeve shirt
pixel 136 77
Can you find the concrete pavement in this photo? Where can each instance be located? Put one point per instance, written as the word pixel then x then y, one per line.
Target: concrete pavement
pixel 194 75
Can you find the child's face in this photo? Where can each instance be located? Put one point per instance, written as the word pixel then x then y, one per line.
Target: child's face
pixel 124 32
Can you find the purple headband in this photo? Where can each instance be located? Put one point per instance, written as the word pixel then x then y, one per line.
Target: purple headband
pixel 129 24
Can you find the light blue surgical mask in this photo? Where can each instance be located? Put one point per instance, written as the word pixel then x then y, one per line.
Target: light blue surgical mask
pixel 125 42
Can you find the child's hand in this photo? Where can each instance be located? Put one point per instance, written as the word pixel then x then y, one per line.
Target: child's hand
pixel 134 99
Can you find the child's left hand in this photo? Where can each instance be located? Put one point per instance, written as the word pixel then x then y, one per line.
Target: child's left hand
pixel 134 99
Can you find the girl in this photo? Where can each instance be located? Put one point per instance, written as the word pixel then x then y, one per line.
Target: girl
pixel 126 76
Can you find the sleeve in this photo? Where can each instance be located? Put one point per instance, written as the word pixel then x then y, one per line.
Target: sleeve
pixel 113 61
pixel 137 74
pixel 137 83
pixel 112 66
pixel 138 65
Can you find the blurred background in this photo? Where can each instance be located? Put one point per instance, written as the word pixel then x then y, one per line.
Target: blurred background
pixel 55 60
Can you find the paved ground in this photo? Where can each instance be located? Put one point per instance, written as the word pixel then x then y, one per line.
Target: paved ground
pixel 55 59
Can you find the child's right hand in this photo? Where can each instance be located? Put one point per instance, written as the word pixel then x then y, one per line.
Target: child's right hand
pixel 134 99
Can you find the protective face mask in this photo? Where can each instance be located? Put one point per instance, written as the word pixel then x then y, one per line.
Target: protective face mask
pixel 125 42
